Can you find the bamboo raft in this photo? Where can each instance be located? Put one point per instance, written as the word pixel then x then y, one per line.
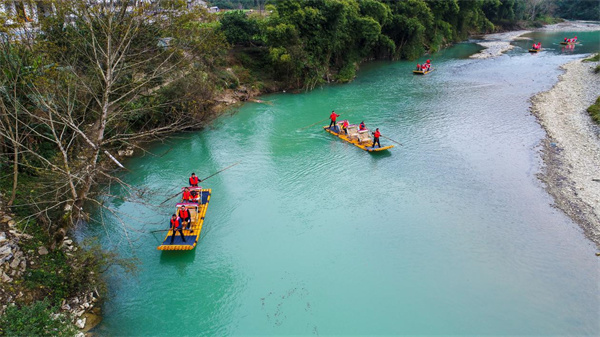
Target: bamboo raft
pixel 197 214
pixel 535 50
pixel 422 72
pixel 569 42
pixel 360 139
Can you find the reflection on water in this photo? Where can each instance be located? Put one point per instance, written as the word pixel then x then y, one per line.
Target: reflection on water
pixel 449 234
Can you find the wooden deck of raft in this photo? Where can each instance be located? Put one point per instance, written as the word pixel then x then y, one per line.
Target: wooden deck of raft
pixel 360 139
pixel 197 213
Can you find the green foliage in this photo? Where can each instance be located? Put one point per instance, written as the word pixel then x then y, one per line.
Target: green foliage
pixel 238 28
pixel 35 320
pixel 594 111
pixel 578 9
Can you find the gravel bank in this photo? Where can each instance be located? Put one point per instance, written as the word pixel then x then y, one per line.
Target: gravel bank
pixel 571 150
pixel 496 44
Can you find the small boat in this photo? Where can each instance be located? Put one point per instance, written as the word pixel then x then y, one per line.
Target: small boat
pixel 360 139
pixel 197 212
pixel 576 42
pixel 534 50
pixel 422 72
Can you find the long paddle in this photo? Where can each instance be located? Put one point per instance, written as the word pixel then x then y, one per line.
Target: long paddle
pixel 212 175
pixel 391 140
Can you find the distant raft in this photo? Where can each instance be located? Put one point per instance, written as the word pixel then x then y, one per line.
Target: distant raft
pixel 360 139
pixel 197 213
pixel 422 72
pixel 534 50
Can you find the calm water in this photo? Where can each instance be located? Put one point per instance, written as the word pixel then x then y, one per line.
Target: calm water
pixel 450 234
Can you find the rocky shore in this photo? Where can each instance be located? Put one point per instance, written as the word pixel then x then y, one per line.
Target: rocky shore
pixel 15 262
pixel 571 150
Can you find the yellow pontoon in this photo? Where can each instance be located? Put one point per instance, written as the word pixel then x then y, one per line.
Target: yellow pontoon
pixel 535 50
pixel 422 72
pixel 197 213
pixel 357 138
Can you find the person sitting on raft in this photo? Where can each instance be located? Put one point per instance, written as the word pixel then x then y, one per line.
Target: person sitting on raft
pixel 187 196
pixel 184 216
pixel 333 117
pixel 175 225
pixel 565 40
pixel 194 180
pixel 376 136
pixel 419 67
pixel 575 39
pixel 362 126
pixel 345 125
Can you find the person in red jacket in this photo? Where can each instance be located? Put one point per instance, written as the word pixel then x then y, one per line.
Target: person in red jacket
pixel 345 126
pixel 194 180
pixel 186 219
pixel 376 136
pixel 175 225
pixel 333 117
pixel 187 196
pixel 362 126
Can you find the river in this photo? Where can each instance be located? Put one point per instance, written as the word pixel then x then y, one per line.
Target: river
pixel 451 233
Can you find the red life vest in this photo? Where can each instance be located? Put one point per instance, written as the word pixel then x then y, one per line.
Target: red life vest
pixel 174 223
pixel 183 213
pixel 187 195
pixel 346 124
pixel 194 180
pixel 377 134
pixel 333 116
pixel 362 126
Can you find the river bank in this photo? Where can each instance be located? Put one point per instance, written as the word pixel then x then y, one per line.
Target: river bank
pixel 571 150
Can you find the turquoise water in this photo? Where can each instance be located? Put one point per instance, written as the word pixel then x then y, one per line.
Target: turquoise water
pixel 450 234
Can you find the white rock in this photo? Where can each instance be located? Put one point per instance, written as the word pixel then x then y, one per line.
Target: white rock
pixel 65 307
pixel 42 250
pixel 80 323
pixel 79 313
pixel 68 242
pixel 81 334
pixel 11 223
pixel 5 278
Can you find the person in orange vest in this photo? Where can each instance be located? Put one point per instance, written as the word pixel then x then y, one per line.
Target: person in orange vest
pixel 194 180
pixel 575 39
pixel 565 39
pixel 333 117
pixel 376 136
pixel 186 219
pixel 362 126
pixel 175 225
pixel 418 67
pixel 187 196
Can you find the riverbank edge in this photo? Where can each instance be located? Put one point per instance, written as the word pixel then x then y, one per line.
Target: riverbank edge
pixel 571 149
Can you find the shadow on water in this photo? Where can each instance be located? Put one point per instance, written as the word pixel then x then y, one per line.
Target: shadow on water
pixel 180 260
pixel 381 154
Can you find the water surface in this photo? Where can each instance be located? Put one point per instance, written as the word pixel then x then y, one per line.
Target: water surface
pixel 451 233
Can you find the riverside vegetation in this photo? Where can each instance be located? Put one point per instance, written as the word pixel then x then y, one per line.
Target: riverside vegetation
pixel 88 84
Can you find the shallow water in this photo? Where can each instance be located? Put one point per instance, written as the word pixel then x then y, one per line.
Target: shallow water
pixel 451 233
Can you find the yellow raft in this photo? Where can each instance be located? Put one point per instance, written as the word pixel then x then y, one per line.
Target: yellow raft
pixel 569 42
pixel 534 50
pixel 197 213
pixel 422 72
pixel 360 139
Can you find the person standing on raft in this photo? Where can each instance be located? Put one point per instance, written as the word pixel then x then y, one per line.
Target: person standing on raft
pixel 194 180
pixel 175 225
pixel 333 117
pixel 376 136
